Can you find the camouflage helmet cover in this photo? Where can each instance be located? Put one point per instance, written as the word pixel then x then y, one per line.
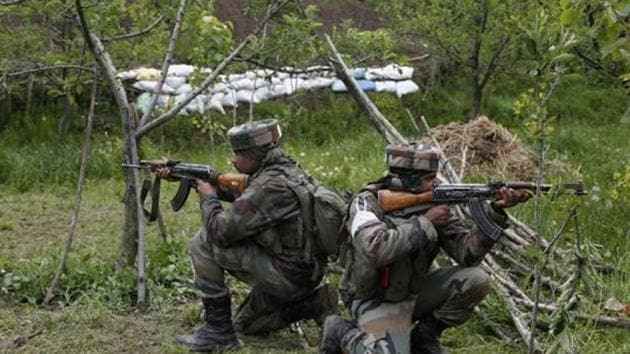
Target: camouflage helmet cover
pixel 412 157
pixel 254 134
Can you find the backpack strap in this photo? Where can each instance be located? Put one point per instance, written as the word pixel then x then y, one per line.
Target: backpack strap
pixel 305 197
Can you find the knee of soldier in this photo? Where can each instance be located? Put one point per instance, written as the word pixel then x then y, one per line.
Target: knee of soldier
pixel 203 260
pixel 480 282
pixel 196 245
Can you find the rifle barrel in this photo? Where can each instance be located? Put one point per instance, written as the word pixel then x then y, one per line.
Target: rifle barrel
pixel 130 165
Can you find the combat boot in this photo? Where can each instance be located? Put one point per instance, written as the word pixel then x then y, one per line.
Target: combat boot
pixel 425 336
pixel 321 304
pixel 335 329
pixel 218 332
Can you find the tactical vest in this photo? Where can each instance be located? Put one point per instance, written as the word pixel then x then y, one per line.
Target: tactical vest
pixel 363 280
pixel 286 238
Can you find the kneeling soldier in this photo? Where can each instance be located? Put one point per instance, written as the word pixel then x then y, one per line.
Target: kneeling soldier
pixel 388 282
pixel 260 241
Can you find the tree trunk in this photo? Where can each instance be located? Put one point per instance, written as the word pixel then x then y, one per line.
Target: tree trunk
pixel 29 93
pixel 477 95
pixel 65 117
pixel 129 240
pixel 474 64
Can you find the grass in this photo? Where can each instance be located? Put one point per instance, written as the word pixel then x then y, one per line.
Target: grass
pixel 93 311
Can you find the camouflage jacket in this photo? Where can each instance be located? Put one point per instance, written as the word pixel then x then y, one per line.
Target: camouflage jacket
pixel 406 246
pixel 268 214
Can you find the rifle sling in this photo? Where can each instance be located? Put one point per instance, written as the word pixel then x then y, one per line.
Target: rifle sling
pixel 155 198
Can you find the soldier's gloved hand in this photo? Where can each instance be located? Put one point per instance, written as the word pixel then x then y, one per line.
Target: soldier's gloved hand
pixel 509 197
pixel 362 216
pixel 438 215
pixel 205 189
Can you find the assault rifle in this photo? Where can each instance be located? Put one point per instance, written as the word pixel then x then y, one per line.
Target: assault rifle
pixel 472 194
pixel 188 174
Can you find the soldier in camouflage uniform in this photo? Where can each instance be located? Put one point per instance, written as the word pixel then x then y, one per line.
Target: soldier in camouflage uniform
pixel 389 283
pixel 260 241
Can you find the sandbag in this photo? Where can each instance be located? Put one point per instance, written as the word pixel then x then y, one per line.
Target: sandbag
pixel 229 99
pixel 148 74
pixel 365 85
pixel 184 89
pixel 175 81
pixel 406 87
pixel 318 83
pixel 151 86
pixel 127 75
pixel 385 86
pixel 214 102
pixel 183 70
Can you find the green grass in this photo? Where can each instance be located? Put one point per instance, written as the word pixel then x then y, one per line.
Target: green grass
pixel 93 310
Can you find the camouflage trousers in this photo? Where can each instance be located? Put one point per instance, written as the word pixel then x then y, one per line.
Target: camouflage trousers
pixel 449 294
pixel 261 312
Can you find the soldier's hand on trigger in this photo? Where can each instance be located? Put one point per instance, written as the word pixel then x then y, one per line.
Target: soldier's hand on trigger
pixel 162 172
pixel 205 189
pixel 509 197
pixel 438 215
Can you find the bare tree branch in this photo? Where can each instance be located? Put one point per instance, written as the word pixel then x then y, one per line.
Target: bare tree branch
pixel 10 2
pixel 376 117
pixel 597 320
pixel 131 150
pixel 279 69
pixel 135 34
pixel 53 67
pixel 85 155
pixel 204 85
pixel 453 53
pixel 167 60
pixel 492 65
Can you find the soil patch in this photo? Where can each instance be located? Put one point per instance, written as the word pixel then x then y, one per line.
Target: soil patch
pixel 331 14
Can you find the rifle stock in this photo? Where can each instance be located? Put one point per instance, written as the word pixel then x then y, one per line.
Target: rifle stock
pixel 233 182
pixel 395 200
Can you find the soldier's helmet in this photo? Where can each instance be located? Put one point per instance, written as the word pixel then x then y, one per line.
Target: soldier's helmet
pixel 412 158
pixel 261 134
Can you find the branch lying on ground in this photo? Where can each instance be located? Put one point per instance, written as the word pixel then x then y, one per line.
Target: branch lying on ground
pixel 597 320
pixel 19 341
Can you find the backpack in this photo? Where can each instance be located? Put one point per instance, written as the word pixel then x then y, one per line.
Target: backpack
pixel 324 212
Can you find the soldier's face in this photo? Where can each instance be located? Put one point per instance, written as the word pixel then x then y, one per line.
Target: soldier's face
pixel 245 165
pixel 428 182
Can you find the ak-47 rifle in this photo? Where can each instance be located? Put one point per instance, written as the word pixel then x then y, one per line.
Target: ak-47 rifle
pixel 472 194
pixel 188 173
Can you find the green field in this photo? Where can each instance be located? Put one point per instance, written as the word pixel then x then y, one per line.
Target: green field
pixel 94 311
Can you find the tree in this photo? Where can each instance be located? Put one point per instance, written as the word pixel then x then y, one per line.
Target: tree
pixel 477 36
pixel 49 57
pixel 603 39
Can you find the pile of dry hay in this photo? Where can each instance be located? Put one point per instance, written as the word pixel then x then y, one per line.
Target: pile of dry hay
pixel 485 148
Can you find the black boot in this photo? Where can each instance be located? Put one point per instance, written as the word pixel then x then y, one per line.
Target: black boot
pixel 425 336
pixel 321 304
pixel 218 332
pixel 335 328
